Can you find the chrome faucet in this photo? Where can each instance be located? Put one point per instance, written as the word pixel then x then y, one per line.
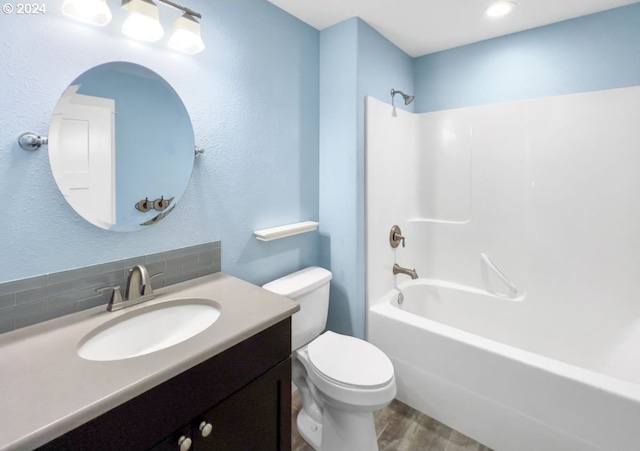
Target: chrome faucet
pixel 397 269
pixel 137 290
pixel 138 284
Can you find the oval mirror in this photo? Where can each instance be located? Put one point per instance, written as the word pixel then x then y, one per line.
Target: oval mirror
pixel 121 146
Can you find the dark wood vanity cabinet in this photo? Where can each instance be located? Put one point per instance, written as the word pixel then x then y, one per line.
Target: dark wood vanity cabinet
pixel 240 399
pixel 250 419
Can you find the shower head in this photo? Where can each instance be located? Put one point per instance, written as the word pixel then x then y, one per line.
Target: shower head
pixel 407 98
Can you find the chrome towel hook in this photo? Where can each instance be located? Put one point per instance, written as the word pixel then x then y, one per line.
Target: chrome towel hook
pixel 32 141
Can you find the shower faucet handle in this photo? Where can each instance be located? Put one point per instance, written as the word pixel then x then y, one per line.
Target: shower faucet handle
pixel 395 237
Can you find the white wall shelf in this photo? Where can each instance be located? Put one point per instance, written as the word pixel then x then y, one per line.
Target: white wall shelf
pixel 283 231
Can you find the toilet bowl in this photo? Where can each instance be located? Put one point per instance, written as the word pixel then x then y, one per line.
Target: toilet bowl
pixel 348 379
pixel 342 380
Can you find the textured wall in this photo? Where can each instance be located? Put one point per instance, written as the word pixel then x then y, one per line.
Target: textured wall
pixel 355 61
pixel 599 51
pixel 253 99
pixel 338 170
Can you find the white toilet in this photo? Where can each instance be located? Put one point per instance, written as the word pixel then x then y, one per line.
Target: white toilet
pixel 342 379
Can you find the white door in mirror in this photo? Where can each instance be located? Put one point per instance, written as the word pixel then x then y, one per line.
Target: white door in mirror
pixel 82 130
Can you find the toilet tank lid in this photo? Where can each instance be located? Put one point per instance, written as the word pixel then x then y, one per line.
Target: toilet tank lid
pixel 299 282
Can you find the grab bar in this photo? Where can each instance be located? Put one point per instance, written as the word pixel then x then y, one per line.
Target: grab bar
pixel 501 276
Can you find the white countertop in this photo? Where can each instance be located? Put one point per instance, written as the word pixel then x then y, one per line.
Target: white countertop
pixel 46 389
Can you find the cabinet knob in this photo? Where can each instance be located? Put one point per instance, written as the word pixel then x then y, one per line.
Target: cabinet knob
pixel 184 443
pixel 205 428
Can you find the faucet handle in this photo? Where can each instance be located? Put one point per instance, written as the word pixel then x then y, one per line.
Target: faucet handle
pixel 116 296
pixel 395 237
pixel 147 288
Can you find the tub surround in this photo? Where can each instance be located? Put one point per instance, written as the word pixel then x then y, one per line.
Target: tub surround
pixel 69 391
pixel 541 201
pixel 547 354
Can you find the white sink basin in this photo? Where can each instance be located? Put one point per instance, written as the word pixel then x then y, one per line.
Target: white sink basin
pixel 149 329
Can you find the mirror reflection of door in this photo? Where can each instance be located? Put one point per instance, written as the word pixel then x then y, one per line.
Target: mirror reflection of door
pixel 83 126
pixel 120 134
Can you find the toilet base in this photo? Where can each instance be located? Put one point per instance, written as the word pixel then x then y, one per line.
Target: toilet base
pixel 309 430
pixel 340 431
pixel 347 430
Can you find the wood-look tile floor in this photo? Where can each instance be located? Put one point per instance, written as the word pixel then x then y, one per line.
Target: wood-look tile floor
pixel 401 428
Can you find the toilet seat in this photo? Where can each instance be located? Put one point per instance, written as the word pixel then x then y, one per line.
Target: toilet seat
pixel 349 361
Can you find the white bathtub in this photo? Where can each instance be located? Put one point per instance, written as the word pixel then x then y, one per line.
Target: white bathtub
pixel 448 348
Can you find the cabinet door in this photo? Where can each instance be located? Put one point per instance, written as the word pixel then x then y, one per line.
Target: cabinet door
pixel 256 418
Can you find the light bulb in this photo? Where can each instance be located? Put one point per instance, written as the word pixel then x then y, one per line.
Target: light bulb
pixel 186 35
pixel 499 9
pixel 143 21
pixel 95 12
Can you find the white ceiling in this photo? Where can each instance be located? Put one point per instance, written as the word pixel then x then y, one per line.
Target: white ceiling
pixel 425 26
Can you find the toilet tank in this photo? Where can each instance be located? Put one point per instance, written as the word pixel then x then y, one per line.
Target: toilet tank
pixel 309 287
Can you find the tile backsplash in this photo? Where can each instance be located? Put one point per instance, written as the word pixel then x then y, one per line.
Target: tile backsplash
pixel 29 301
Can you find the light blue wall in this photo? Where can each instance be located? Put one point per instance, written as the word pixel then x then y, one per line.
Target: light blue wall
pixel 253 99
pixel 590 53
pixel 338 171
pixel 355 62
pixel 279 107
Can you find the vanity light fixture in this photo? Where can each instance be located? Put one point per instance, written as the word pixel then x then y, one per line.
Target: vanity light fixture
pixel 186 35
pixel 143 22
pixel 95 12
pixel 499 9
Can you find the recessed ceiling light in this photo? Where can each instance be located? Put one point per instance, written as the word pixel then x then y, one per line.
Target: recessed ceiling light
pixel 499 9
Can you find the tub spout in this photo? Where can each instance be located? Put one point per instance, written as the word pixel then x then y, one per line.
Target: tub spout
pixel 397 269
